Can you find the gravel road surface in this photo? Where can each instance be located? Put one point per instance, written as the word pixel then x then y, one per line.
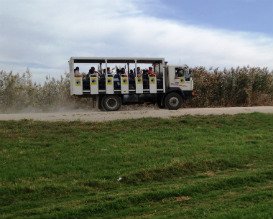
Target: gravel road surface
pixel 99 116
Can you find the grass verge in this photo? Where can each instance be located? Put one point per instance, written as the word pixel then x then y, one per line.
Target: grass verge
pixel 190 166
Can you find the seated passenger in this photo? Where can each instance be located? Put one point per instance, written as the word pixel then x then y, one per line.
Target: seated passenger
pixel 131 74
pixel 150 72
pixel 92 72
pixel 118 73
pixel 145 74
pixel 123 72
pixel 77 72
pixel 85 81
pixel 139 73
pixel 131 79
pixel 109 71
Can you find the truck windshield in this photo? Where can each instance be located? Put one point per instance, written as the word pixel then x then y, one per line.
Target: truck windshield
pixel 187 74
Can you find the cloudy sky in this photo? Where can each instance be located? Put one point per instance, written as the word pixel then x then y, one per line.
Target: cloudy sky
pixel 43 34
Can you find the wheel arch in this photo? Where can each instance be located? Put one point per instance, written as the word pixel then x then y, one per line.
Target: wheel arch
pixel 176 90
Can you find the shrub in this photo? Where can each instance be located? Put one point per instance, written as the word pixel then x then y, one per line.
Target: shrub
pixel 235 87
pixel 247 86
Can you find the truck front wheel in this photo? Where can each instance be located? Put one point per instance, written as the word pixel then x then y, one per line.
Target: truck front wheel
pixel 173 101
pixel 111 102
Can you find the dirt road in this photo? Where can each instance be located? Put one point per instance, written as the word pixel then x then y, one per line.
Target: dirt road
pixel 98 116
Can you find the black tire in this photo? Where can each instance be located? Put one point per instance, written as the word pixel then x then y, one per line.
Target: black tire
pixel 173 101
pixel 111 102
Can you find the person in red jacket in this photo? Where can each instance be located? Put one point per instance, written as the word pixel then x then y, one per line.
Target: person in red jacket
pixel 150 72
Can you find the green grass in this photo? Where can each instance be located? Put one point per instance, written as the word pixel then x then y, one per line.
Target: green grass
pixel 185 167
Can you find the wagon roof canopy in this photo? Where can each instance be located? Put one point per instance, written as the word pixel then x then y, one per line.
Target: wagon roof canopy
pixel 116 60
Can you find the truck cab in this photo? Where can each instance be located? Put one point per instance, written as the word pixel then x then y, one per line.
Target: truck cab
pixel 179 78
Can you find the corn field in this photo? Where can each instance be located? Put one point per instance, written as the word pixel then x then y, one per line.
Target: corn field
pixel 247 86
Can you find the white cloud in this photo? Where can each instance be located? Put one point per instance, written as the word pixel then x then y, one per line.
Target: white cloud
pixel 45 34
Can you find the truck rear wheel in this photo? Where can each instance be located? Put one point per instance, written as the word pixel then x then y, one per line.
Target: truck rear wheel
pixel 173 101
pixel 111 102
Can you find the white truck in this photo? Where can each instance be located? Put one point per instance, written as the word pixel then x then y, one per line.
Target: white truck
pixel 167 85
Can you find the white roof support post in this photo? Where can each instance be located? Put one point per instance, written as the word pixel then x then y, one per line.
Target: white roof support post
pixel 109 81
pixel 76 85
pixel 71 71
pixel 138 81
pixel 136 66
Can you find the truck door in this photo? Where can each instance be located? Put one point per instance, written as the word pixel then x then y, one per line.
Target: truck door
pixel 179 76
